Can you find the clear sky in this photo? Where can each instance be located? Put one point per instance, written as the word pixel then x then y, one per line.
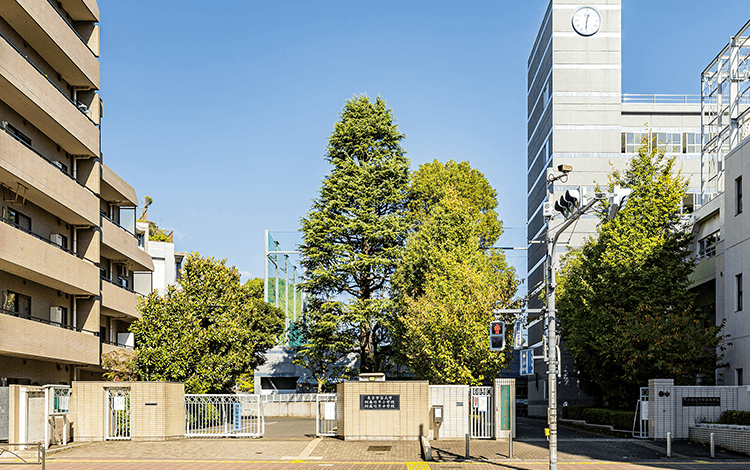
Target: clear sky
pixel 221 111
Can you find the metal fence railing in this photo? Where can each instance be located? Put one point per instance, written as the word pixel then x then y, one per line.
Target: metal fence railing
pixel 20 454
pixel 224 416
pixel 482 417
pixel 325 414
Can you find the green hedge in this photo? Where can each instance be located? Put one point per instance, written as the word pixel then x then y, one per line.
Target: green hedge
pixel 735 417
pixel 617 419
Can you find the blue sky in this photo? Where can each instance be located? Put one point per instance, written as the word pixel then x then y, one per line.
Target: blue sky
pixel 221 111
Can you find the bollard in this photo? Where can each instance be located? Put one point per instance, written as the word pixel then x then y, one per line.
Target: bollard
pixel 510 446
pixel 669 444
pixel 467 446
pixel 712 445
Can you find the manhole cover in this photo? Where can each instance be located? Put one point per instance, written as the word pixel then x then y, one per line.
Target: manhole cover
pixel 379 449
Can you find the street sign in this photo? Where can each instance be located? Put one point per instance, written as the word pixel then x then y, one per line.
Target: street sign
pixel 517 335
pixel 527 362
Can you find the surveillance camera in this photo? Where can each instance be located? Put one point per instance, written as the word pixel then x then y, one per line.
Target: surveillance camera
pixel 564 168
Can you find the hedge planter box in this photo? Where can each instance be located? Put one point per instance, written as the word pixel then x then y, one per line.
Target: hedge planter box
pixel 727 436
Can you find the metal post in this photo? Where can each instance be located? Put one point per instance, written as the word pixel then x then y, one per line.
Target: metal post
pixel 712 446
pixel 669 444
pixel 286 297
pixel 276 274
pixel 467 446
pixel 294 291
pixel 510 446
pixel 265 268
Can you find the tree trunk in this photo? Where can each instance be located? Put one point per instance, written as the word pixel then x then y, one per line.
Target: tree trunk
pixel 365 350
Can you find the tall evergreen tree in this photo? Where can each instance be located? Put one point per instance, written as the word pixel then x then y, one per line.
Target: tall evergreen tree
pixel 627 314
pixel 355 229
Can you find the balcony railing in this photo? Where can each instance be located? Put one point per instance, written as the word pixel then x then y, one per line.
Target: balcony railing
pixel 49 80
pixel 105 278
pixel 104 214
pixel 46 321
pixel 673 99
pixel 51 162
pixel 13 224
pixel 119 345
pixel 54 7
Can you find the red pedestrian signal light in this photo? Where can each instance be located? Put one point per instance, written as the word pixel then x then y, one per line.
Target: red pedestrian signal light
pixel 497 335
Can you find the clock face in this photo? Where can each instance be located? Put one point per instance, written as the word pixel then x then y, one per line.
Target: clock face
pixel 586 21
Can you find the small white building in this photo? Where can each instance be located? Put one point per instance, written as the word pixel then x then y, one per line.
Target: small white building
pixel 167 263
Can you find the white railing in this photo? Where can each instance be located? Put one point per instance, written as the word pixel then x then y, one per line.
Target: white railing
pixel 325 414
pixel 224 416
pixel 673 99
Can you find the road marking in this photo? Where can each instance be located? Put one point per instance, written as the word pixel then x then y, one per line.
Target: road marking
pixel 417 466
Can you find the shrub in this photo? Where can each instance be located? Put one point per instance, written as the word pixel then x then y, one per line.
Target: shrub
pixel 615 418
pixel 735 417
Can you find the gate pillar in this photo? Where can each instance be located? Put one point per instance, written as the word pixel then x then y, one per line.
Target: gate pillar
pixel 505 408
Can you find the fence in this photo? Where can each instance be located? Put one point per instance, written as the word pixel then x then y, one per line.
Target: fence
pixel 224 416
pixel 325 416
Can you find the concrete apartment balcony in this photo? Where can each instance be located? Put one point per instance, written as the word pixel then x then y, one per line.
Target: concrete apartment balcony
pixel 115 190
pixel 81 10
pixel 42 103
pixel 34 258
pixel 120 301
pixel 46 185
pixel 50 34
pixel 24 337
pixel 120 245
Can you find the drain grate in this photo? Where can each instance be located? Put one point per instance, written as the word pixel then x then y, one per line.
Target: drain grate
pixel 379 449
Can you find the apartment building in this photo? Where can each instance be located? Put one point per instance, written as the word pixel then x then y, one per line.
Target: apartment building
pixel 68 248
pixel 578 116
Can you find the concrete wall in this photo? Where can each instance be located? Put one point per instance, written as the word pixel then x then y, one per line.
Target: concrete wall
pixel 403 424
pixel 735 438
pixel 289 409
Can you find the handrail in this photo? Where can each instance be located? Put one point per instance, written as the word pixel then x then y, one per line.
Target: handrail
pixel 51 162
pixel 47 322
pixel 12 224
pixel 6 448
pixel 49 80
pixel 71 26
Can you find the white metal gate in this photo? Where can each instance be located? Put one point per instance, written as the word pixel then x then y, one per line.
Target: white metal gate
pixel 117 417
pixel 482 413
pixel 325 414
pixel 224 416
pixel 641 415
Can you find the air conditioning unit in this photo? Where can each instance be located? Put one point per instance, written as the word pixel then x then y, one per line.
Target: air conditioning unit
pixel 56 238
pixel 55 315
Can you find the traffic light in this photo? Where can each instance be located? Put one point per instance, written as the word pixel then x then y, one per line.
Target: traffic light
pixel 618 200
pixel 497 335
pixel 571 200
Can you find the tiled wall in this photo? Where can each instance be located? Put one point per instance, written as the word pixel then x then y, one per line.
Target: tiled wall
pixel 455 402
pixel 666 413
pixel 157 410
pixel 403 424
pixel 732 439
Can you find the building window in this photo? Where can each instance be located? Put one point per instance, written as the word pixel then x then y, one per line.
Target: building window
pixel 738 281
pixel 738 196
pixel 669 142
pixel 707 245
pixel 19 303
pixel 631 141
pixel 739 377
pixel 141 240
pixel 18 220
pixel 691 143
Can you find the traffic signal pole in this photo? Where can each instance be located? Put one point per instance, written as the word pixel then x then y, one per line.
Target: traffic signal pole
pixel 551 314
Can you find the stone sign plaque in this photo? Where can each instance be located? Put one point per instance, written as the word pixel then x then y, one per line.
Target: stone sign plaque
pixel 379 402
pixel 701 401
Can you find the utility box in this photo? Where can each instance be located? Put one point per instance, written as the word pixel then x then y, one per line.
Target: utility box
pixel 437 414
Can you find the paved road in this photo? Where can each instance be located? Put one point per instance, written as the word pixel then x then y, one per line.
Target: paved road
pixel 288 445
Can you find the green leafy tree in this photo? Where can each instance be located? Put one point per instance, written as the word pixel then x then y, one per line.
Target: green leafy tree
pixel 431 181
pixel 449 286
pixel 627 314
pixel 321 346
pixel 353 234
pixel 207 332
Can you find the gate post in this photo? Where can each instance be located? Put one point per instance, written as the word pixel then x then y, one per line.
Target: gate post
pixel 505 408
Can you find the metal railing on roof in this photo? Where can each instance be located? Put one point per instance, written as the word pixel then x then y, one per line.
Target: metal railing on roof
pixel 671 99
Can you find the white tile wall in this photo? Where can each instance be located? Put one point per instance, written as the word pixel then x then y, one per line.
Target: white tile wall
pixel 455 401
